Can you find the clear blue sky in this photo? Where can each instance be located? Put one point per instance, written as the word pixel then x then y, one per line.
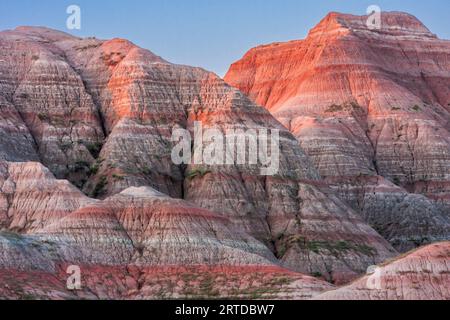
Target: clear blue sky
pixel 207 33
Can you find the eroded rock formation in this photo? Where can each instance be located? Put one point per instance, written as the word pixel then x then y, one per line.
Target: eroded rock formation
pixel 366 104
pixel 101 114
pixel 143 244
pixel 419 275
pixel 120 137
pixel 31 197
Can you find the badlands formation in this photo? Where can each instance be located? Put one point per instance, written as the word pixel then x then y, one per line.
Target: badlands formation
pixel 371 108
pixel 86 178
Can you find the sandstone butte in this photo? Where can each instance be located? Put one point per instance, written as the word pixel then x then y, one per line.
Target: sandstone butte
pixel 86 179
pixel 371 108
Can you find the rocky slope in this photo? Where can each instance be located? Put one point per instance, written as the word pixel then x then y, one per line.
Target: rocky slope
pixel 51 104
pixel 372 110
pixel 101 114
pixel 119 137
pixel 144 244
pixel 144 227
pixel 420 275
pixel 31 198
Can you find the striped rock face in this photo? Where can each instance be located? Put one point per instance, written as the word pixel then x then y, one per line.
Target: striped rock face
pixel 144 227
pixel 54 114
pixel 130 100
pixel 31 197
pixel 142 244
pixel 419 275
pixel 100 114
pixel 372 110
pixel 200 282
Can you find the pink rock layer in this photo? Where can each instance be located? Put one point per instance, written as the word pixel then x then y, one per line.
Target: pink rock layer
pixel 199 282
pixel 141 244
pixel 106 110
pixel 365 103
pixel 31 197
pixel 420 275
pixel 129 102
